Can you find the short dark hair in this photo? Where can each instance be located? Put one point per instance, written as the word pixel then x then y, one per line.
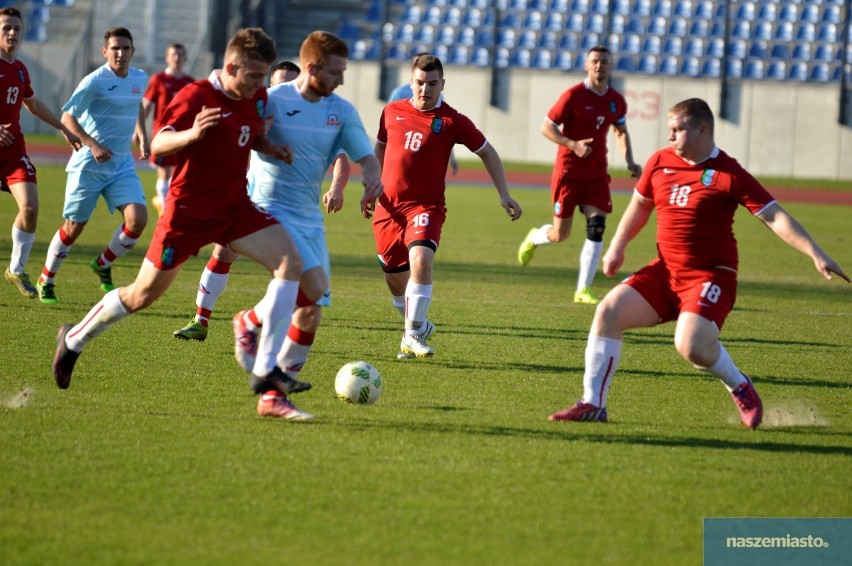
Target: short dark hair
pixel 118 32
pixel 285 66
pixel 180 46
pixel 599 49
pixel 12 12
pixel 695 112
pixel 428 62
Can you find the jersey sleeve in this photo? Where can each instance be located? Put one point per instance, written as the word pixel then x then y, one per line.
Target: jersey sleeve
pixel 748 190
pixel 180 113
pixel 28 87
pixel 151 91
pixel 621 112
pixel 644 187
pixel 469 135
pixel 354 139
pixel 556 114
pixel 79 101
pixel 382 135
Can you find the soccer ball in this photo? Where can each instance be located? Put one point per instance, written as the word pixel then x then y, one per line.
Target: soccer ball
pixel 358 382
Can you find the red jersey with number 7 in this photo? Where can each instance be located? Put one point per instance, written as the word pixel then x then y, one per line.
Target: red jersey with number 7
pixel 695 207
pixel 417 150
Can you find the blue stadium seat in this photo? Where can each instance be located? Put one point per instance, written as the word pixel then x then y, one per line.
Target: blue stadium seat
pixel 589 40
pixel 631 44
pixel 559 6
pixel 600 6
pixel 473 17
pixel 754 69
pixel 735 68
pixel 641 8
pixel 625 64
pixel 831 14
pixel 528 39
pixel 789 12
pixel 657 25
pixel 827 32
pixel 683 9
pixel 426 35
pixel 758 49
pixel 485 38
pixel 501 58
pixel 737 48
pixel 581 6
pixel 715 48
pixel 621 7
pixel 678 27
pixel 446 35
pixel 636 25
pixel 359 49
pixel 539 5
pixel 522 58
pixel 399 52
pixel 564 60
pixel 777 70
pixel 798 71
pixel 801 52
pixel 460 55
pixel 652 45
pixel 533 21
pixel 453 16
pixel 690 67
pixel 595 23
pixel 507 38
pixel 63 3
pixel 554 21
pixel 548 40
pixel 780 51
pixel 699 28
pixel 711 68
pixel 745 12
pixel 694 47
pixel 784 31
pixel 569 41
pixel 810 13
pixel 459 3
pixel 543 59
pixel 412 14
pixel 741 29
pixel 768 11
pixel 673 46
pixel 704 9
pixel 717 29
pixel 481 57
pixel 617 24
pixel 668 65
pixel 819 73
pixel 825 52
pixel 466 36
pixel 575 22
pixel 518 5
pixel 763 30
pixel 836 73
pixel 613 42
pixel 405 34
pixel 647 64
pixel 432 16
pixel 663 8
pixel 806 32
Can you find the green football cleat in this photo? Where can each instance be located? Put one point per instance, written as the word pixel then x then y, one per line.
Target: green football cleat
pixel 22 282
pixel 585 297
pixel 47 293
pixel 104 274
pixel 527 249
pixel 192 331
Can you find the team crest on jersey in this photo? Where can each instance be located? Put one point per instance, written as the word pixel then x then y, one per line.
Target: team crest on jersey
pixel 437 125
pixel 612 107
pixel 168 256
pixel 261 110
pixel 557 208
pixel 707 177
pixel 21 75
pixel 332 120
pixel 136 90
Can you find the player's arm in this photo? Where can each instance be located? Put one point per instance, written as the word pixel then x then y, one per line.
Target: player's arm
pixel 101 153
pixel 41 111
pixel 141 133
pixel 147 106
pixel 379 149
pixel 332 200
pixel 262 144
pixel 494 166
pixel 794 234
pixel 371 173
pixel 622 140
pixel 169 141
pixel 454 165
pixel 635 217
pixel 550 130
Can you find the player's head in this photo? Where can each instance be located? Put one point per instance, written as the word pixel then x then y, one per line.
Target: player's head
pixel 11 23
pixel 427 81
pixel 175 57
pixel 283 72
pixel 118 49
pixel 598 64
pixel 323 56
pixel 690 125
pixel 247 60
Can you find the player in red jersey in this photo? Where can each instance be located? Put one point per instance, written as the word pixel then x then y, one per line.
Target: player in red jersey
pixel 162 88
pixel 696 189
pixel 17 174
pixel 211 126
pixel 586 113
pixel 415 139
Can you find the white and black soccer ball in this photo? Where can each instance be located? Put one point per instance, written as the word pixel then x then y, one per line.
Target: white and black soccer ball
pixel 358 382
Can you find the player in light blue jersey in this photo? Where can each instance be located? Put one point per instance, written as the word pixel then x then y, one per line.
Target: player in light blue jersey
pixel 316 124
pixel 104 112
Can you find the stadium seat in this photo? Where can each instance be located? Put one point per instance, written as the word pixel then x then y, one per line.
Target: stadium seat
pixel 831 14
pixel 657 25
pixel 636 25
pixel 819 73
pixel 481 58
pixel 595 23
pixel 718 29
pixel 554 21
pixel 501 58
pixel 522 58
pixel 507 38
pixel 683 9
pixel 690 67
pixel 810 13
pixel 569 41
pixel 400 52
pixel 589 40
pixel 405 34
pixel 836 73
pixel 758 49
pixel 485 38
pixel 349 31
pixel 827 32
pixel 798 71
pixel 613 42
pixel 711 68
pixel 631 44
pixel 741 29
pixel 737 48
pixel 432 16
pixel 543 59
pixel 600 7
pixel 745 12
pixel 662 8
pixel 533 21
pixel 647 64
pixel 459 3
pixel 453 16
pixel 426 35
pixel 548 40
pixel 412 14
pixel 801 52
pixel 559 6
pixel 768 11
pixel 789 12
pixel 539 5
pixel 784 31
pixel 763 30
pixel 673 46
pixel 466 36
pixel 779 51
pixel 641 8
pixel 704 10
pixel 473 17
pixel 442 52
pixel 754 69
pixel 518 5
pixel 694 47
pixel 699 28
pixel 735 68
pixel 824 52
pixel 621 7
pixel 652 45
pixel 617 23
pixel 359 49
pixel 806 32
pixel 63 3
pixel 528 39
pixel 447 35
pixel 460 55
pixel 678 27
pixel 575 22
pixel 777 70
pixel 715 48
pixel 625 64
pixel 564 60
pixel 668 65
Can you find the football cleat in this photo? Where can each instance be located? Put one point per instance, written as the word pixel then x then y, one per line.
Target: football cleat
pixel 580 412
pixel 104 275
pixel 277 380
pixel 245 342
pixel 427 329
pixel 748 403
pixel 527 249
pixel 585 297
pixel 64 359
pixel 275 404
pixel 47 293
pixel 22 282
pixel 192 331
pixel 415 346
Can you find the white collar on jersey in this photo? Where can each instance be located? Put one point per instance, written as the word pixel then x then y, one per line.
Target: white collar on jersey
pixel 711 155
pixel 588 85
pixel 217 84
pixel 440 102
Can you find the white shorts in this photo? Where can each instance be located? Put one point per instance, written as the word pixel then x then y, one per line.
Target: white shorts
pixel 83 188
pixel 310 241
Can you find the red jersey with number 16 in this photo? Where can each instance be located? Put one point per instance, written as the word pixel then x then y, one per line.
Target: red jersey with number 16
pixel 14 89
pixel 417 150
pixel 695 207
pixel 585 114
pixel 210 174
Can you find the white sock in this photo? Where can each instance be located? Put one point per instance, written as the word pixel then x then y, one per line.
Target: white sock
pixel 294 353
pixel 56 254
pixel 210 288
pixel 417 300
pixel 162 187
pixel 22 244
pixel 602 356
pixel 589 258
pixel 122 242
pixel 275 312
pixel 539 237
pixel 103 315
pixel 726 370
pixel 399 304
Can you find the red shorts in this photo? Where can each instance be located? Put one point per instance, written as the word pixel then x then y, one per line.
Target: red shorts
pixel 16 168
pixel 396 229
pixel 568 194
pixel 179 234
pixel 709 293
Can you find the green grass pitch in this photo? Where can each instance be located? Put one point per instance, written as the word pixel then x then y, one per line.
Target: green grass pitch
pixel 155 454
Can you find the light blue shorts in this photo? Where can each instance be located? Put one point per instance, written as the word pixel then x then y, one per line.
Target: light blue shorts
pixel 83 188
pixel 310 241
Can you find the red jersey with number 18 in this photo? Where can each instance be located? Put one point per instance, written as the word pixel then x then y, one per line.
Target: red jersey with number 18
pixel 695 207
pixel 203 190
pixel 417 150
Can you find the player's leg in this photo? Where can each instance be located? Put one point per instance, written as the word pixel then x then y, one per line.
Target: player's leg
pixel 418 298
pixel 212 284
pixel 151 282
pixel 123 240
pixel 314 293
pixel 621 309
pixel 23 236
pixel 273 248
pixel 164 176
pixel 563 210
pixel 590 254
